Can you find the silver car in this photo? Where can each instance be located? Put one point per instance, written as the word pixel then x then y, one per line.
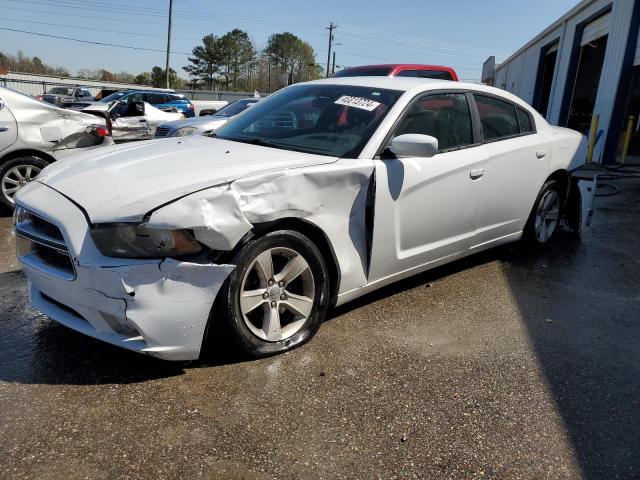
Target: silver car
pixel 208 124
pixel 34 134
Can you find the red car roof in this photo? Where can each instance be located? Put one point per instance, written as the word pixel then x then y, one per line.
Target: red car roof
pixel 395 68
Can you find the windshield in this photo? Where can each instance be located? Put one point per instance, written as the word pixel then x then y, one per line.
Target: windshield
pixel 333 120
pixel 234 108
pixel 113 97
pixel 61 91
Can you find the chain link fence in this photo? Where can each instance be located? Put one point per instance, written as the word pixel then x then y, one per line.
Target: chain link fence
pixel 31 84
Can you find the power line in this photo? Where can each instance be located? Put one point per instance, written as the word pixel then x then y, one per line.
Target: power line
pixel 78 27
pixel 130 47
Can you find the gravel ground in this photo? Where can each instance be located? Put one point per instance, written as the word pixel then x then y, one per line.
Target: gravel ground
pixel 509 364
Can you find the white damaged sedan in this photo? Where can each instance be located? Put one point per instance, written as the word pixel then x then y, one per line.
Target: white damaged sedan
pixel 318 195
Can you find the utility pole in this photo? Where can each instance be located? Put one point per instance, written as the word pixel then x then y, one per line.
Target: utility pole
pixel 333 64
pixel 331 28
pixel 166 71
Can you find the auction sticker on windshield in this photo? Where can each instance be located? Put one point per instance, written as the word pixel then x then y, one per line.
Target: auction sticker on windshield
pixel 357 102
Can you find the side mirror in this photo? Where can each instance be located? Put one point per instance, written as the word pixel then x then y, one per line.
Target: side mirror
pixel 414 145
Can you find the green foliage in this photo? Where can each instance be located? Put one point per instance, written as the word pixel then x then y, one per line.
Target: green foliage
pixel 206 60
pixel 158 78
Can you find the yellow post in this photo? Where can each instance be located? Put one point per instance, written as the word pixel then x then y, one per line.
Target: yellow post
pixel 627 139
pixel 592 137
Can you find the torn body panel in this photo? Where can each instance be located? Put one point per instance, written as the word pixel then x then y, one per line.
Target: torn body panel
pixel 580 202
pixel 29 124
pixel 332 197
pixel 157 307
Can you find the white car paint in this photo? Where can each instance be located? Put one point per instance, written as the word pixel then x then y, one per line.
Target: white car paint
pixel 29 124
pixel 427 211
pixel 209 105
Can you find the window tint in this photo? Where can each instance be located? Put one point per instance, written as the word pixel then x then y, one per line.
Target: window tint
pixel 174 98
pixel 437 74
pixel 444 116
pixel 364 72
pixel 498 118
pixel 525 121
pixel 408 73
pixel 155 98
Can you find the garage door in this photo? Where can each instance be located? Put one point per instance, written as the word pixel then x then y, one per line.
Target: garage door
pixel 596 29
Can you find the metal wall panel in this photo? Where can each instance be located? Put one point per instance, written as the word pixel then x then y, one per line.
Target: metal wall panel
pixel 596 29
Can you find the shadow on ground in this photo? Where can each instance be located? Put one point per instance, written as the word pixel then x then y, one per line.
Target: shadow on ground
pixel 578 300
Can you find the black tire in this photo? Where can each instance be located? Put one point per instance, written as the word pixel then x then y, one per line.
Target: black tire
pixel 530 235
pixel 227 317
pixel 5 199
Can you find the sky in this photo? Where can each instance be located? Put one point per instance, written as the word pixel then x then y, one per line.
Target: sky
pixel 457 33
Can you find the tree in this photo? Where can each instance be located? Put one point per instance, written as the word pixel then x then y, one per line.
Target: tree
pixel 293 56
pixel 206 60
pixel 143 78
pixel 158 78
pixel 237 52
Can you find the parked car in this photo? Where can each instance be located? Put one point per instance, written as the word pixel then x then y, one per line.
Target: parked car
pixel 317 195
pixel 204 108
pixel 129 119
pixel 34 134
pixel 204 125
pixel 166 101
pixel 61 96
pixel 400 70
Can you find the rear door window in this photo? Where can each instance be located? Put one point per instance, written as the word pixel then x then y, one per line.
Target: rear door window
pixel 498 118
pixel 524 119
pixel 156 98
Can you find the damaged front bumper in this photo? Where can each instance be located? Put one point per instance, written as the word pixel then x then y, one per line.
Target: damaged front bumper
pixel 156 307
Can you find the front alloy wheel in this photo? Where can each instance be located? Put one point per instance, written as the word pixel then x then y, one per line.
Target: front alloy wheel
pixel 277 296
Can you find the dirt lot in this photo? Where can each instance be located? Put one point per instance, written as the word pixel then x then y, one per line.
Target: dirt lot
pixel 506 365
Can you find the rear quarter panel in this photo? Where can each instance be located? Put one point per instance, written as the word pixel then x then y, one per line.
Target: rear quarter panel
pixel 568 148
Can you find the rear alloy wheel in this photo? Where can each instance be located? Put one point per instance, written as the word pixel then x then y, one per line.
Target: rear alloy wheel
pixel 544 221
pixel 17 173
pixel 277 296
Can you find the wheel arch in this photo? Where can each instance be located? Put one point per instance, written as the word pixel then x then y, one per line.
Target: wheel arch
pixel 319 239
pixel 564 179
pixel 26 152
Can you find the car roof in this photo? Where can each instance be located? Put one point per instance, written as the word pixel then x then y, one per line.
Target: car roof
pixel 405 84
pixel 412 66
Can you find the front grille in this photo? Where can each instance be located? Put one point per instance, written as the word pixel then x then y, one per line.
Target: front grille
pixel 40 244
pixel 162 132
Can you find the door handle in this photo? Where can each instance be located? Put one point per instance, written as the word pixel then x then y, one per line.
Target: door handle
pixel 4 129
pixel 541 153
pixel 476 173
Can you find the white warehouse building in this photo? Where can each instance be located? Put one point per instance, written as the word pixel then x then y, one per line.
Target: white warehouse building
pixel 585 63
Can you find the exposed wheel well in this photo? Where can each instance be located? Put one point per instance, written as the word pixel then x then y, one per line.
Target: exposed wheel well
pixel 562 177
pixel 27 153
pixel 319 239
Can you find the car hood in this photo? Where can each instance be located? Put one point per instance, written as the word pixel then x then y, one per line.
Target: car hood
pixel 194 121
pixel 125 182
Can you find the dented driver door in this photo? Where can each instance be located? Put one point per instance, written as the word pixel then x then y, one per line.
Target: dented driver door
pixel 426 209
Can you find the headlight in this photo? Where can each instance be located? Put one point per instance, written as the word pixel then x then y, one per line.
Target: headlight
pixel 184 132
pixel 21 215
pixel 138 241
